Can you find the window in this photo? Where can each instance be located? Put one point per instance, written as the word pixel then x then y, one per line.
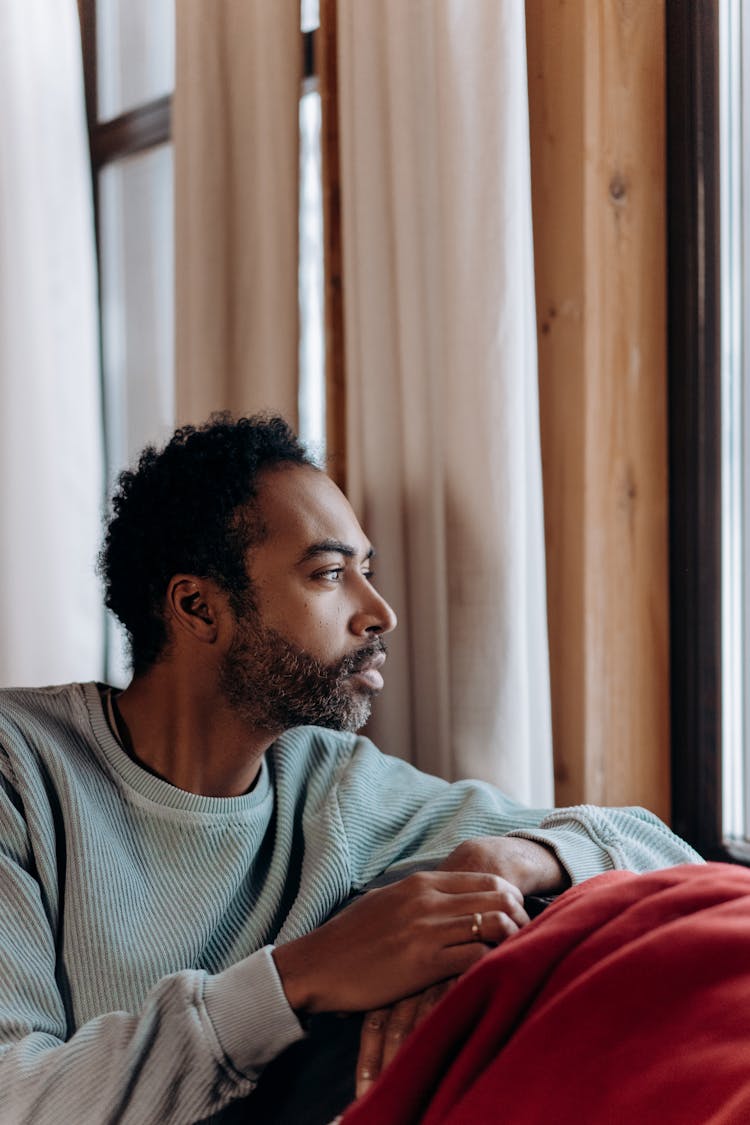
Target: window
pixel 734 586
pixel 129 65
pixel 709 299
pixel 128 52
pixel 312 392
pixel 734 149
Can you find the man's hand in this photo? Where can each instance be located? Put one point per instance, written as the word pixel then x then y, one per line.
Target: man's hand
pixel 398 940
pixel 529 866
pixel 384 1031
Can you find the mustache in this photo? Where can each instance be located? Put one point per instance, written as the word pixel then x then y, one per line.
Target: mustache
pixel 358 660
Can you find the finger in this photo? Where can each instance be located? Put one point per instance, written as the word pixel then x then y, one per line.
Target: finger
pixel 400 1024
pixel 456 882
pixel 421 1006
pixel 370 1058
pixel 486 902
pixel 490 928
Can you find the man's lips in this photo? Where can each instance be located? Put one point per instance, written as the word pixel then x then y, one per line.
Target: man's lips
pixel 369 674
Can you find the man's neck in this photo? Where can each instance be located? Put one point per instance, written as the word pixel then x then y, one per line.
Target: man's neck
pixel 182 729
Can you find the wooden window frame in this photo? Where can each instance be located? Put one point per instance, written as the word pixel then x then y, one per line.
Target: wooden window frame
pixel 138 129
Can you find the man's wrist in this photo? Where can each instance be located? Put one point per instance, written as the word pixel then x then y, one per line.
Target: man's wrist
pixel 545 874
pixel 251 1035
pixel 291 965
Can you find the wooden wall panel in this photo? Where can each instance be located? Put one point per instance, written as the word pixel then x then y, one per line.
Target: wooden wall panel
pixel 597 112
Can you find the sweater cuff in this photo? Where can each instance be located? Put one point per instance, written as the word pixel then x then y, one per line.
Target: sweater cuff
pixel 577 853
pixel 250 1012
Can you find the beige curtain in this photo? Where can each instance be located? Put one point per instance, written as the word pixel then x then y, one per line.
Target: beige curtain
pixel 442 413
pixel 237 86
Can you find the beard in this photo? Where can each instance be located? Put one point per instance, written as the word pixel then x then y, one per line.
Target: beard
pixel 274 685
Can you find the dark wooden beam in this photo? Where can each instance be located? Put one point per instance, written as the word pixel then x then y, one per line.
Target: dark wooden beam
pixel 132 132
pixel 87 16
pixel 332 241
pixel 694 418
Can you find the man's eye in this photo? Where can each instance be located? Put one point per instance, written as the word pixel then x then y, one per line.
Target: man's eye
pixel 331 575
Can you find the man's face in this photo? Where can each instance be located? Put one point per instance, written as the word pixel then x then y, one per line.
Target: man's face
pixel 307 647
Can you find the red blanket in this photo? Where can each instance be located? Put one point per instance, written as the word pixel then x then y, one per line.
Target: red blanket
pixel 627 1001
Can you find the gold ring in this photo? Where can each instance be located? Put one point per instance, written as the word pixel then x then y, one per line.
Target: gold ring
pixel 476 927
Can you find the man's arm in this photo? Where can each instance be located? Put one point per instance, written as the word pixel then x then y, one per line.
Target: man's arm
pixel 184 1054
pixel 531 867
pixel 473 827
pixel 164 1062
pixel 199 1041
pixel 197 1044
pixel 394 815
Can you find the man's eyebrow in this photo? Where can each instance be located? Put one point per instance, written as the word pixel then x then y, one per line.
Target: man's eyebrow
pixel 335 547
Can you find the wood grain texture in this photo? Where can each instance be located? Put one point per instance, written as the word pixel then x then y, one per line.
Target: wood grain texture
pixel 597 112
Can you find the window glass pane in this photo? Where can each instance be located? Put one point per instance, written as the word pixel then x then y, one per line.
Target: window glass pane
pixel 312 405
pixel 734 66
pixel 310 14
pixel 135 53
pixel 741 404
pixel 136 212
pixel 137 281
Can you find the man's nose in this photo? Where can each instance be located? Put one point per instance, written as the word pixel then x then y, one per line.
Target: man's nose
pixel 375 617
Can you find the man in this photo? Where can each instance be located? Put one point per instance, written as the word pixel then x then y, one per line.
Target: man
pixel 173 857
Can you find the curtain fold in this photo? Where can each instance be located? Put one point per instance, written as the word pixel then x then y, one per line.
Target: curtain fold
pixel 236 138
pixel 443 452
pixel 51 477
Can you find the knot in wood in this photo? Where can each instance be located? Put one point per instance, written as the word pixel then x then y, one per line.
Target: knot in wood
pixel 618 189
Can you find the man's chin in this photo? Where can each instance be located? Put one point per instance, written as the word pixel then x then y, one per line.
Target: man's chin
pixel 352 717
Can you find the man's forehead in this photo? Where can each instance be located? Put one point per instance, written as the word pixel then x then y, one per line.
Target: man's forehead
pixel 300 506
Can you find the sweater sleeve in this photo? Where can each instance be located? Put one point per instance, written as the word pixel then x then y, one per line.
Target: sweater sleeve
pixel 197 1043
pixel 395 815
pixel 589 840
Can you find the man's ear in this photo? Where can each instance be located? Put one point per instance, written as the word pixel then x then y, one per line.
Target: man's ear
pixel 195 605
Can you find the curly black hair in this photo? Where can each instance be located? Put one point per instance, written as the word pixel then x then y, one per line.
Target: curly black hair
pixel 187 508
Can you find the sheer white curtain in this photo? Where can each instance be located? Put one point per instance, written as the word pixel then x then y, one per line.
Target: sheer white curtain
pixel 50 427
pixel 443 434
pixel 236 138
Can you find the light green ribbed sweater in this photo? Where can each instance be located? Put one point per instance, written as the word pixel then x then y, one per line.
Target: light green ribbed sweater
pixel 136 920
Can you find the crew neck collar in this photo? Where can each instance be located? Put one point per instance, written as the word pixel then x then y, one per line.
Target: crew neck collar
pixel 156 789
